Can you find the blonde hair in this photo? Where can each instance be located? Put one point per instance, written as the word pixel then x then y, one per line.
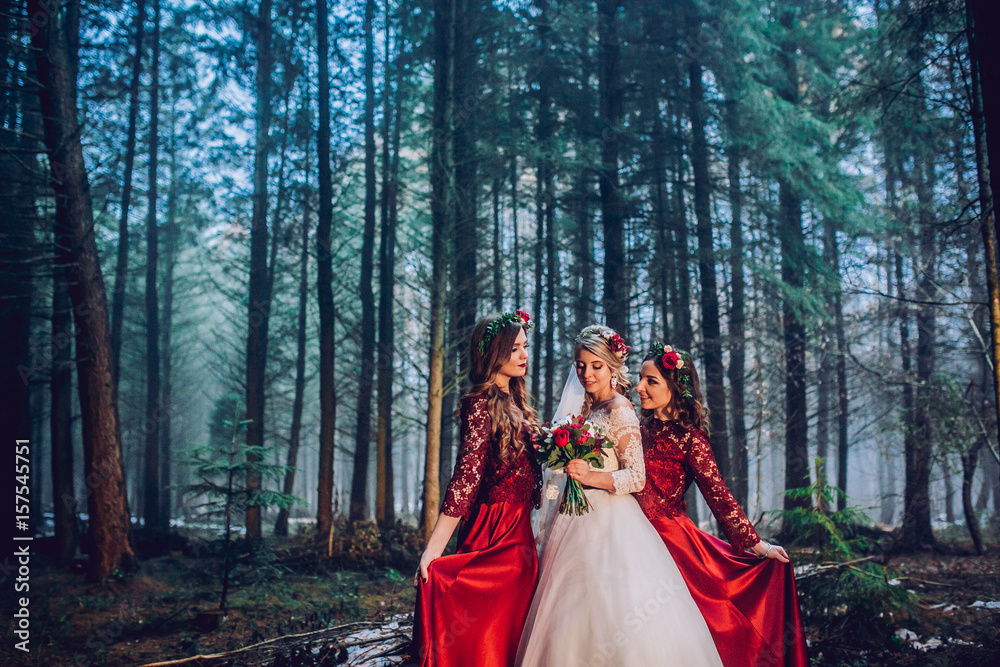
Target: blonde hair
pixel 509 410
pixel 594 339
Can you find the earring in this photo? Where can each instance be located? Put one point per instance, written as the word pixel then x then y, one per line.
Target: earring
pixel 614 382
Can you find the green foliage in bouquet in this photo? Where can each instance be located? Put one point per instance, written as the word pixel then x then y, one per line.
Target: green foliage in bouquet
pixel 568 440
pixel 853 598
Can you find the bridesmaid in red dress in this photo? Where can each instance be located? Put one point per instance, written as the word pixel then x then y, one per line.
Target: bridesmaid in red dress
pixel 749 601
pixel 471 605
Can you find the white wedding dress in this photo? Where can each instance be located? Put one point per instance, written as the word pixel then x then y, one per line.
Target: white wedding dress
pixel 608 592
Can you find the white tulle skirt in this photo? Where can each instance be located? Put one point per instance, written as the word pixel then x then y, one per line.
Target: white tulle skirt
pixel 610 594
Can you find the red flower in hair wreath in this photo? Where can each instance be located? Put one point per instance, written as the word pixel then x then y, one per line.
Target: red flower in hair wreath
pixel 517 317
pixel 673 360
pixel 614 341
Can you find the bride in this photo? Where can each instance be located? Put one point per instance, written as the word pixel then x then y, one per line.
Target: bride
pixel 608 592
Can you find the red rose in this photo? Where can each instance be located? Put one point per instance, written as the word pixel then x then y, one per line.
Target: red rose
pixel 669 360
pixel 523 315
pixel 582 440
pixel 560 437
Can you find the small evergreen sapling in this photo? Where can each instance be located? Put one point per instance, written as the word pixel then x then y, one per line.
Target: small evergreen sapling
pixel 222 473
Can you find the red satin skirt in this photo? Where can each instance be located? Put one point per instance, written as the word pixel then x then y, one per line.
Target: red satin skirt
pixel 750 604
pixel 472 608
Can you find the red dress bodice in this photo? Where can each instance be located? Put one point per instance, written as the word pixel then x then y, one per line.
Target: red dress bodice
pixel 675 456
pixel 480 475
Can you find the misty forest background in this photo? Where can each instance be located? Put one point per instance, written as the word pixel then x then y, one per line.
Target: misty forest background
pixel 293 212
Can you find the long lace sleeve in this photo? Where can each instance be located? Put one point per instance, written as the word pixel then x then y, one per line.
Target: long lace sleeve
pixel 472 452
pixel 727 511
pixel 624 430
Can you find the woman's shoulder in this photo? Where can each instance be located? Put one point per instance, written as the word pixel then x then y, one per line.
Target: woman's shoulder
pixel 622 403
pixel 478 397
pixel 474 403
pixel 621 410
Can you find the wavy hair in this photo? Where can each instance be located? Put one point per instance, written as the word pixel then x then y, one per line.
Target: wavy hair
pixel 592 339
pixel 691 411
pixel 509 410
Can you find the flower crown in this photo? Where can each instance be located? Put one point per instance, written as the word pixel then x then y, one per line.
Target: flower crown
pixel 517 317
pixel 674 360
pixel 614 341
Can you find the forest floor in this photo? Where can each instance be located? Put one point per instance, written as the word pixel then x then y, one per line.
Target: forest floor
pixel 151 615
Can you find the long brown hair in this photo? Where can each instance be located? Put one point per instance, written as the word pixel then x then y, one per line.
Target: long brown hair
pixel 509 410
pixel 594 339
pixel 691 410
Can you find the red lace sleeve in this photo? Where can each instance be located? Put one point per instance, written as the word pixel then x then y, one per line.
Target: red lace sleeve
pixel 472 452
pixel 730 515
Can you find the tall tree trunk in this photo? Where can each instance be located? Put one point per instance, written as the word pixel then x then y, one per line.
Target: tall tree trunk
pixel 917 517
pixel 823 384
pixel 324 285
pixel 980 393
pixel 464 231
pixel 385 505
pixel 544 214
pixel 288 487
pixel 76 249
pixel 465 164
pixel 906 355
pixel 496 168
pixel 611 93
pixel 151 478
pixel 793 257
pixel 663 253
pixel 258 312
pixel 986 97
pixel 828 362
pixel 19 253
pixel 970 459
pixel 61 420
pixel 682 302
pixel 715 388
pixel 584 252
pixel 551 270
pixel 796 424
pixel 362 442
pixel 121 265
pixel 516 232
pixel 537 296
pixel 737 315
pixel 171 240
pixel 843 405
pixel 442 188
pixel 497 244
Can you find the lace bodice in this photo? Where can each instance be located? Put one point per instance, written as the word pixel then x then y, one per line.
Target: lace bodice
pixel 675 456
pixel 480 476
pixel 626 464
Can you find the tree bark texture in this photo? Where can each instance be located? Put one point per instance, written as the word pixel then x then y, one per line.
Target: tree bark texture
pixel 76 248
pixel 154 416
pixel 121 265
pixel 442 185
pixel 363 432
pixel 611 94
pixel 324 284
pixel 714 373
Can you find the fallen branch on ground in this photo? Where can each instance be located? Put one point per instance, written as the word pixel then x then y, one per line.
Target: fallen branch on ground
pixel 818 569
pixel 385 639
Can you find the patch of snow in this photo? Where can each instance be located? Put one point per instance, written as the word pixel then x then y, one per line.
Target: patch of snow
pixel 992 604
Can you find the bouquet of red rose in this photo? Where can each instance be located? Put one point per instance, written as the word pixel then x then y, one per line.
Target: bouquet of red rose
pixel 567 440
